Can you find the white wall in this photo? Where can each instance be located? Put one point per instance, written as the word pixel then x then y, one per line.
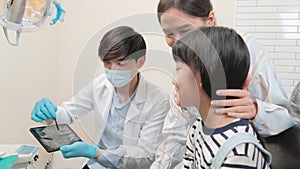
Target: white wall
pixel 225 12
pixel 276 24
pixel 28 72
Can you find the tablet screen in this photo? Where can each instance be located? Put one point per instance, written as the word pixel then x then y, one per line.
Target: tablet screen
pixel 52 139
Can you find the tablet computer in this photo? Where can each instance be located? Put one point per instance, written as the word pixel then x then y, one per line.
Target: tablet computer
pixel 52 139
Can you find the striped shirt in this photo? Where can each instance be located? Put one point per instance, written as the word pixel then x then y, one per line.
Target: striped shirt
pixel 209 141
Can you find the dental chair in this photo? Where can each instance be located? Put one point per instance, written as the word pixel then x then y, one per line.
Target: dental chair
pixel 295 103
pixel 285 147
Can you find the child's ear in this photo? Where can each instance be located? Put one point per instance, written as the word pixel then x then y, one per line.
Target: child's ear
pixel 141 61
pixel 247 81
pixel 198 80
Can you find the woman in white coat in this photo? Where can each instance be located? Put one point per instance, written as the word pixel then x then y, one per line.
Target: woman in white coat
pixel 129 110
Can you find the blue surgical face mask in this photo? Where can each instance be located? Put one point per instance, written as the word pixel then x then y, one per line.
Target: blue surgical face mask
pixel 118 78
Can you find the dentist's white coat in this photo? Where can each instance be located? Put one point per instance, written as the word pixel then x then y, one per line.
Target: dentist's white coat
pixel 144 120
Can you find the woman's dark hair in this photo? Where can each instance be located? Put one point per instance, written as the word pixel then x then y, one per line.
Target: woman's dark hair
pixel 122 41
pixel 197 8
pixel 219 54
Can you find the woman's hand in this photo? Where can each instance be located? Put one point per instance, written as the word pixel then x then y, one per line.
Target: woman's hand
pixel 243 107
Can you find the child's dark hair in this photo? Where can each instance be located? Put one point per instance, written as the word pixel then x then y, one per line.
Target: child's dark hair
pixel 122 41
pixel 219 54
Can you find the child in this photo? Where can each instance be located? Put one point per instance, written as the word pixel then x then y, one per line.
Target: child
pixel 209 59
pixel 129 110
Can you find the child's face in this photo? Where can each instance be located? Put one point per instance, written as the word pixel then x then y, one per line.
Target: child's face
pixel 186 86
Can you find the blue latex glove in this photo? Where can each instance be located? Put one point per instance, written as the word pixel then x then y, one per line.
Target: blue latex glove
pixel 43 110
pixel 79 149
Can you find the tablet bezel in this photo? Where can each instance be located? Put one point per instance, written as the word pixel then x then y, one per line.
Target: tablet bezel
pixel 34 130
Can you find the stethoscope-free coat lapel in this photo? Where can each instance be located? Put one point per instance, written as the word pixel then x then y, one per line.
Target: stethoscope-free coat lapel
pixel 133 121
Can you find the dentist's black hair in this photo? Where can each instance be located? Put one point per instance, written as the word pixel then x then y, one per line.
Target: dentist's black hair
pixel 122 41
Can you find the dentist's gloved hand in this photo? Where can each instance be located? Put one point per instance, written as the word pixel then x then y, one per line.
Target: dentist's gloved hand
pixel 43 110
pixel 79 149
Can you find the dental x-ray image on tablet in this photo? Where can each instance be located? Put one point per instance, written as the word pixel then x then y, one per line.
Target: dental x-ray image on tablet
pixel 52 139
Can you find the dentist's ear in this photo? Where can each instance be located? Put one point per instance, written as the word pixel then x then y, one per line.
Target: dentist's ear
pixel 141 61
